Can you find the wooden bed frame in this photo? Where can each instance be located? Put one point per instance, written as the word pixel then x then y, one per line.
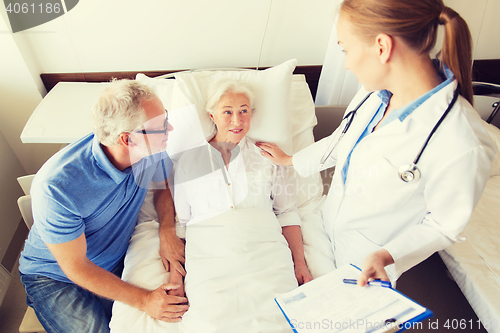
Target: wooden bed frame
pixel 312 74
pixel 483 71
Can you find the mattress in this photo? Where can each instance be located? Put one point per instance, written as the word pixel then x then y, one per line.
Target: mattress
pixel 475 263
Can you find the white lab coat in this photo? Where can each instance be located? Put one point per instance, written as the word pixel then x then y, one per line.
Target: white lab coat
pixel 375 208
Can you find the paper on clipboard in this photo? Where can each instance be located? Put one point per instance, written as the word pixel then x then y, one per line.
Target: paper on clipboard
pixel 327 304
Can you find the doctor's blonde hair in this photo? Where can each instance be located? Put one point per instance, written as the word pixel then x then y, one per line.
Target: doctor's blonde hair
pixel 416 22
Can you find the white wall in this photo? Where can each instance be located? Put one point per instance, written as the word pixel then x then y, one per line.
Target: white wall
pixel 10 169
pixel 19 96
pixel 152 34
pixel 173 34
pixel 482 18
pixel 488 44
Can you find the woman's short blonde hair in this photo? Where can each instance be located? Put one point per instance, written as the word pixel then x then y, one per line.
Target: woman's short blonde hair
pixel 221 87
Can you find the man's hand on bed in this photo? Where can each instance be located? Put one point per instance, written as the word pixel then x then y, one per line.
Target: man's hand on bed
pixel 274 154
pixel 172 252
pixel 302 274
pixel 164 307
pixel 373 267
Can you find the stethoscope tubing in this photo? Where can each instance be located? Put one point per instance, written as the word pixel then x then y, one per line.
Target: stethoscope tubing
pixel 448 109
pixel 350 114
pixel 413 166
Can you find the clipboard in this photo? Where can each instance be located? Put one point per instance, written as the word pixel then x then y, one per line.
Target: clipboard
pixel 327 304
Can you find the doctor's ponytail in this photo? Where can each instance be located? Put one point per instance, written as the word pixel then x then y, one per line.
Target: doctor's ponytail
pixel 417 22
pixel 457 50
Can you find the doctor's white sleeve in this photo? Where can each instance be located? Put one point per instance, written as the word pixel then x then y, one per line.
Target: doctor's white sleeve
pixel 284 197
pixel 450 196
pixel 308 161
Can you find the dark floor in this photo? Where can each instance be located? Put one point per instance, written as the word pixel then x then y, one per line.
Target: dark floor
pixel 431 285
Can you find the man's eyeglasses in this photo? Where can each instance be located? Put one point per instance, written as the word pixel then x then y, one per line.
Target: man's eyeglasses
pixel 162 131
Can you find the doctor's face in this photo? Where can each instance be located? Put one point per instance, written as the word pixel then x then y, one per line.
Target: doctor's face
pixel 360 55
pixel 232 117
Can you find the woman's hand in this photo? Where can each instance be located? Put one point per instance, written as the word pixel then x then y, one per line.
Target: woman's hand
pixel 176 278
pixel 302 274
pixel 373 267
pixel 162 306
pixel 274 154
pixel 172 251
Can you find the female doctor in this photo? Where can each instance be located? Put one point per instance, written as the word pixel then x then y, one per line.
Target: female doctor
pixel 391 205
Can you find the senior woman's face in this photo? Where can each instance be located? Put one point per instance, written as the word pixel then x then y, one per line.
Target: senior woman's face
pixel 232 117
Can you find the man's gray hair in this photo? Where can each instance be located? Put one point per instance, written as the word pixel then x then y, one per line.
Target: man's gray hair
pixel 119 109
pixel 221 87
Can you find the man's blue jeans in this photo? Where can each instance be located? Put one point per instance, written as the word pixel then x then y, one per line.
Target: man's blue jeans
pixel 65 307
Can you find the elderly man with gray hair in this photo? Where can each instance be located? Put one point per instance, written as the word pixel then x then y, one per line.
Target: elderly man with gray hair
pixel 86 199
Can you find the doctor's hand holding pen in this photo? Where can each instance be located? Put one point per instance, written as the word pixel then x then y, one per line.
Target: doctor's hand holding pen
pixel 373 267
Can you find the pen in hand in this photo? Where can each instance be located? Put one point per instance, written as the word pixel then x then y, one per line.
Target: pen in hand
pixel 379 283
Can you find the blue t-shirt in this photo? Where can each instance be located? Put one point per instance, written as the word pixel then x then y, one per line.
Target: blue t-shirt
pixel 79 191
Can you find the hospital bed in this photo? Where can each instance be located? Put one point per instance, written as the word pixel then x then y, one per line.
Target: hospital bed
pixel 474 263
pixel 285 114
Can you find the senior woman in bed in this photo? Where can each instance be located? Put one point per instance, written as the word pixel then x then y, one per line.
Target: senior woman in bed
pixel 233 201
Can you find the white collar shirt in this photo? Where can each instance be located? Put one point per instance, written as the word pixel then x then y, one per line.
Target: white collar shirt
pixel 204 187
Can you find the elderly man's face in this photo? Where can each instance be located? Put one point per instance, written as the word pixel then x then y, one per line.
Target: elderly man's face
pixel 232 117
pixel 151 137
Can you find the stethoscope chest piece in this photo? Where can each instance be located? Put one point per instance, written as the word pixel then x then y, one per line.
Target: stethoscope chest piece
pixel 409 173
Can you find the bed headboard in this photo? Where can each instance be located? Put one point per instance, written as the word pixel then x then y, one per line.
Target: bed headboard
pixel 483 71
pixel 311 73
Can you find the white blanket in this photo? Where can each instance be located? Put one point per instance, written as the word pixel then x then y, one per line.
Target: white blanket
pixel 236 262
pixel 143 268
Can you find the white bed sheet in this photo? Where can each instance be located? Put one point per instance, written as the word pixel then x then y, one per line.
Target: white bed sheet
pixel 236 263
pixel 475 263
pixel 143 268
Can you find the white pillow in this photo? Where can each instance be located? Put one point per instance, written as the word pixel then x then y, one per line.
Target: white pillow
pixel 163 88
pixel 292 125
pixel 302 111
pixel 303 119
pixel 270 122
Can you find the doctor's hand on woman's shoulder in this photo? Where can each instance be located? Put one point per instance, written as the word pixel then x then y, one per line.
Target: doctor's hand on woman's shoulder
pixel 274 153
pixel 373 267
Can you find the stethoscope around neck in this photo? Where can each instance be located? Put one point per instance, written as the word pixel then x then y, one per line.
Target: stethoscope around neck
pixel 407 173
